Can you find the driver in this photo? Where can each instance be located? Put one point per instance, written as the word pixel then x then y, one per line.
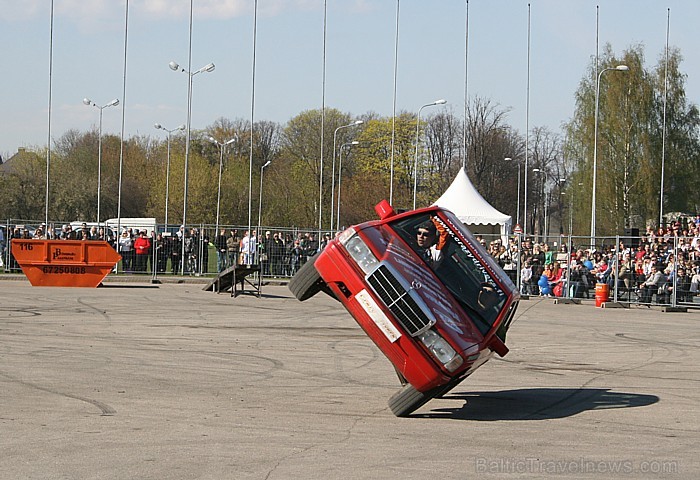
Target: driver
pixel 428 242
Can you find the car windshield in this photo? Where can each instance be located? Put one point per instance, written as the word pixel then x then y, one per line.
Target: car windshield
pixel 454 263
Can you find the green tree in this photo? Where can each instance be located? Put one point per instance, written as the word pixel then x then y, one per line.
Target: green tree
pixel 630 133
pixel 682 145
pixel 369 164
pixel 301 151
pixel 23 191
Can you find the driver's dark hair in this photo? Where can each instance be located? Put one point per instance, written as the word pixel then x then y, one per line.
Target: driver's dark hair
pixel 427 225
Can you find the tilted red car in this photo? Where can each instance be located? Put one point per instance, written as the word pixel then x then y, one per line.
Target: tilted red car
pixel 424 290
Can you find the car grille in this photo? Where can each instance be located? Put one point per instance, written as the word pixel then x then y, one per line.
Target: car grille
pixel 399 300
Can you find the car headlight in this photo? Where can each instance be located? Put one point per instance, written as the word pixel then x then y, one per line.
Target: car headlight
pixel 358 250
pixel 441 350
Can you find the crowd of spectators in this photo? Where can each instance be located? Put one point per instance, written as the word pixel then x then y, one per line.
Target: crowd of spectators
pixel 642 269
pixel 645 269
pixel 279 254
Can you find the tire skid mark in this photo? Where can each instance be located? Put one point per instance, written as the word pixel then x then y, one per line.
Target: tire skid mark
pixel 106 410
pixel 337 441
pixel 101 312
pixel 22 311
pixel 341 373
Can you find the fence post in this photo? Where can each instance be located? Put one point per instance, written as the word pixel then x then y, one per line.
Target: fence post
pixel 517 264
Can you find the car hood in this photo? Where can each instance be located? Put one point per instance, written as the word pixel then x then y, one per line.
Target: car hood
pixel 452 321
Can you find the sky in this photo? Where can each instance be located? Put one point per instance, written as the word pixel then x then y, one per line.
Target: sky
pixel 89 59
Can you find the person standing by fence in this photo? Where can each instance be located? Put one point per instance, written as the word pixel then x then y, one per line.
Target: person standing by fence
pixel 126 250
pixel 233 247
pixel 221 254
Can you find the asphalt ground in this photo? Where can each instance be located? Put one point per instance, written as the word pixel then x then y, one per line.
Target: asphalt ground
pixel 141 381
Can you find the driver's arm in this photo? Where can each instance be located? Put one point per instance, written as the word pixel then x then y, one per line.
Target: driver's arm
pixel 442 234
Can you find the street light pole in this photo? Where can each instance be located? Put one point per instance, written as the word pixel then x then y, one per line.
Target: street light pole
pixel 517 214
pixel 90 103
pixel 442 101
pixel 560 205
pixel 221 146
pixel 260 200
pixel 621 68
pixel 544 176
pixel 353 124
pixel 167 168
pixel 340 172
pixel 175 67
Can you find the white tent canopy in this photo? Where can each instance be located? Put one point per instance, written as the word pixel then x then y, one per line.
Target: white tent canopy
pixel 470 207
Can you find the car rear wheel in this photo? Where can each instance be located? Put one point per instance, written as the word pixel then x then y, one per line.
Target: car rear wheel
pixel 307 282
pixel 408 399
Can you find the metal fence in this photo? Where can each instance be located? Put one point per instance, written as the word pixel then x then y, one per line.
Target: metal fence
pixel 278 251
pixel 619 268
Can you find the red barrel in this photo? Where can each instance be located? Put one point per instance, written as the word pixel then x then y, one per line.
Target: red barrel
pixel 601 294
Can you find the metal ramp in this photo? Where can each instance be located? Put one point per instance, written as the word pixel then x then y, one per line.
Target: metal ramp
pixel 235 279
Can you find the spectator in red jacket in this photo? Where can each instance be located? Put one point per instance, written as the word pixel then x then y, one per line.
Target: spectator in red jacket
pixel 142 247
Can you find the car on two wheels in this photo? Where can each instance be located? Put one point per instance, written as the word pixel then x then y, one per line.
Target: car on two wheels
pixel 436 313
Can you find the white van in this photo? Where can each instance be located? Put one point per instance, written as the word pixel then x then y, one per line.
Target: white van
pixel 134 223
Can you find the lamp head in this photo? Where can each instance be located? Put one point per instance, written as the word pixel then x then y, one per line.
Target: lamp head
pixel 442 101
pixel 174 66
pixel 158 126
pixel 355 142
pixel 213 140
pixel 508 159
pixel 359 122
pixel 267 163
pixel 229 142
pixel 87 101
pixel 181 127
pixel 206 68
pixel 113 103
pixel 622 68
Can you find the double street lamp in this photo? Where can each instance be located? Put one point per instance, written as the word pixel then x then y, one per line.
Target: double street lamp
pixel 340 172
pixel 176 68
pixel 335 133
pixel 619 68
pixel 90 103
pixel 167 168
pixel 442 101
pixel 221 146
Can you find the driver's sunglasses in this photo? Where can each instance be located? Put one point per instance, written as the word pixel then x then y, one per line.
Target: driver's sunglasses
pixel 424 233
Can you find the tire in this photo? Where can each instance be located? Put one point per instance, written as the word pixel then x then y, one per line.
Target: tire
pixel 445 389
pixel 307 282
pixel 408 399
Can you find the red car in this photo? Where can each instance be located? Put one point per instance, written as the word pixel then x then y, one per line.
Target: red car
pixel 424 290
